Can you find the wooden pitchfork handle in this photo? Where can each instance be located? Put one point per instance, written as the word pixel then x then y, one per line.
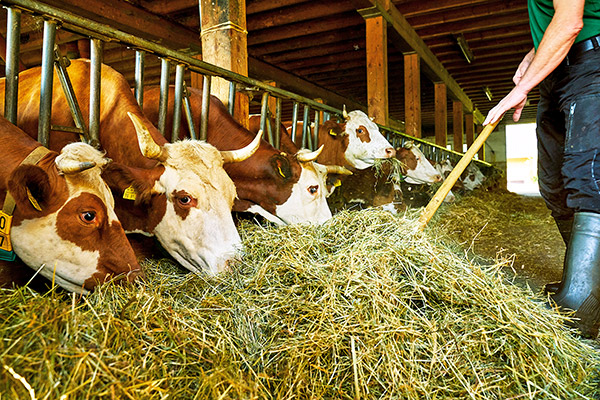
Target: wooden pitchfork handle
pixel 443 191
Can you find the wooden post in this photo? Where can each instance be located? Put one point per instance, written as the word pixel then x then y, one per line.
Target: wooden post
pixel 441 114
pixel 457 126
pixel 196 79
pixel 469 129
pixel 377 68
pixel 412 94
pixel 272 103
pixel 224 43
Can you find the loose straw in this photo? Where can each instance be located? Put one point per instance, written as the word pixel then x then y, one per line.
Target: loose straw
pixel 444 189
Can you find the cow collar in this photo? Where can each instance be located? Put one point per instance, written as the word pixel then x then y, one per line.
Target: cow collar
pixel 8 208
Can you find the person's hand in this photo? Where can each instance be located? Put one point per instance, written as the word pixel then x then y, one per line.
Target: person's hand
pixel 516 99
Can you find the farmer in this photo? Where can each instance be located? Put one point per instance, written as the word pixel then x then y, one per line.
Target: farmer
pixel 565 62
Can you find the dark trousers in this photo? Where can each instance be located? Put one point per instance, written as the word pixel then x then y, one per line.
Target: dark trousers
pixel 568 133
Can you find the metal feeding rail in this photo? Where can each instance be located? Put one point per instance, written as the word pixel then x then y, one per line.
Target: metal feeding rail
pixel 99 33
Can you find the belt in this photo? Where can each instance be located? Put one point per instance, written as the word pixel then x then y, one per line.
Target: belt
pixel 580 48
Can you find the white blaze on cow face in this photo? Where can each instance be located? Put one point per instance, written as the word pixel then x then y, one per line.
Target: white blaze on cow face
pixel 75 245
pixel 365 142
pixel 198 228
pixel 308 201
pixel 424 172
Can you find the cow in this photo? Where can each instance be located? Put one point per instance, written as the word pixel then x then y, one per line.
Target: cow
pixel 418 170
pixel 63 222
pixel 178 192
pixel 472 177
pixel 284 187
pixel 354 143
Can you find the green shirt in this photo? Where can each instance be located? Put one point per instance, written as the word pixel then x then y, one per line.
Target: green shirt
pixel 542 11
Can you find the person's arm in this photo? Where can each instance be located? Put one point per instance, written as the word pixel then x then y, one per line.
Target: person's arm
pixel 556 42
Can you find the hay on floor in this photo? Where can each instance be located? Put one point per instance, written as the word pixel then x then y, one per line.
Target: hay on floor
pixel 361 307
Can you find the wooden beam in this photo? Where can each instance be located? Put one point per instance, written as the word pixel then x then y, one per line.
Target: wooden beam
pixel 408 39
pixel 377 64
pixel 341 21
pixel 336 36
pixel 412 94
pixel 475 25
pixel 296 14
pixel 469 129
pixel 224 43
pixel 256 6
pixel 441 114
pixel 457 126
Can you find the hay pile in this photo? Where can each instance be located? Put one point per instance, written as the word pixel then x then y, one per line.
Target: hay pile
pixel 361 307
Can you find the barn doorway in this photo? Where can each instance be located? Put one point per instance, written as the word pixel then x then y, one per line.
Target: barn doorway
pixel 521 159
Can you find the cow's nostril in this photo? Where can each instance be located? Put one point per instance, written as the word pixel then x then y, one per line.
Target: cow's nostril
pixel 390 152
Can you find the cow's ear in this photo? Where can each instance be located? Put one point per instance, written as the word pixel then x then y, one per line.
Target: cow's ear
pixel 334 129
pixel 281 166
pixel 30 187
pixel 131 183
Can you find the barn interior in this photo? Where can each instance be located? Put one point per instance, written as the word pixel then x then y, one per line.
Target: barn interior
pixel 427 69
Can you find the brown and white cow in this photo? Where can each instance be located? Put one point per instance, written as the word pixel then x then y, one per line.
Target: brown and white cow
pixel 356 142
pixel 418 170
pixel 182 194
pixel 282 186
pixel 64 221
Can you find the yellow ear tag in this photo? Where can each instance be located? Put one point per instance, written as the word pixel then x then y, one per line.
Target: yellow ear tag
pixel 280 171
pixel 129 193
pixel 33 201
pixel 332 133
pixel 5 223
pixel 337 183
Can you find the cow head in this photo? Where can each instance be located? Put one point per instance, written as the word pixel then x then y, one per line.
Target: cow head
pixel 197 228
pixel 472 177
pixel 418 169
pixel 308 199
pixel 64 221
pixel 365 142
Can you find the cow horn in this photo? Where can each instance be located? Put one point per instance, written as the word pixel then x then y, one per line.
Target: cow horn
pixel 72 167
pixel 337 169
pixel 148 146
pixel 345 113
pixel 243 153
pixel 309 156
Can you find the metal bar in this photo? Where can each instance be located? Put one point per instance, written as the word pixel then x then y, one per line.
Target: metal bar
pixel 13 43
pixel 265 123
pixel 87 27
pixel 295 120
pixel 140 61
pixel 187 108
pixel 177 101
pixel 205 107
pixel 46 82
pixel 315 143
pixel 164 95
pixel 96 65
pixel 278 132
pixel 326 116
pixel 61 71
pixel 231 101
pixel 61 128
pixel 306 128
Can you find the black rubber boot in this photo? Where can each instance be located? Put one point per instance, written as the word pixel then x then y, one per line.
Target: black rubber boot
pixel 565 226
pixel 580 289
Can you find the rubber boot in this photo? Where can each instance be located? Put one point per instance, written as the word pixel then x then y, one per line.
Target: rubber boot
pixel 580 291
pixel 565 227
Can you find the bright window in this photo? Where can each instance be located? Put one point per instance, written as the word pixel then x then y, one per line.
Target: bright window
pixel 521 159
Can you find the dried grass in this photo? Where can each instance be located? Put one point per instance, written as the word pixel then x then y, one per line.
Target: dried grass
pixel 361 307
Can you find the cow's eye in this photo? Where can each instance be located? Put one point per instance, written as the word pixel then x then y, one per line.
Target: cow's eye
pixel 88 216
pixel 313 189
pixel 185 200
pixel 360 131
